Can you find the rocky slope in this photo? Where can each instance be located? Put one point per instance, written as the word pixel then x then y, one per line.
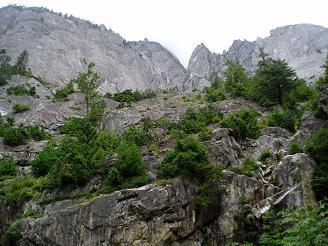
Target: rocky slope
pixel 58 45
pixel 303 46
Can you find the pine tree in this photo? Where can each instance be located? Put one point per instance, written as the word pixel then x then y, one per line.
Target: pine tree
pixel 274 79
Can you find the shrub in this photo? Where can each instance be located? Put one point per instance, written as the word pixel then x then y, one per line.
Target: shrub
pixel 81 128
pixel 248 167
pixel 205 134
pixel 244 124
pixel 304 226
pixel 129 96
pixel 214 95
pixel 21 90
pixel 44 161
pixel 20 190
pixel 138 135
pixel 72 165
pixel 15 136
pixel 265 154
pixel 294 148
pixel 21 135
pixel 7 167
pixel 284 119
pixel 129 161
pixel 13 234
pixel 36 133
pixel 64 92
pixel 20 107
pixel 317 147
pixel 195 121
pixel 188 158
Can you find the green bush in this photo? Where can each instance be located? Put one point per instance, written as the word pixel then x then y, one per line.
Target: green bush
pixel 20 107
pixel 44 161
pixel 285 119
pixel 7 167
pixel 317 147
pixel 129 96
pixel 81 128
pixel 244 124
pixel 248 167
pixel 265 154
pixel 188 158
pixel 64 92
pixel 15 136
pixel 138 135
pixel 36 133
pixel 13 234
pixel 129 161
pixel 236 80
pixel 205 134
pixel 21 135
pixel 129 170
pixel 195 121
pixel 214 95
pixel 72 165
pixel 294 147
pixel 20 190
pixel 304 226
pixel 21 90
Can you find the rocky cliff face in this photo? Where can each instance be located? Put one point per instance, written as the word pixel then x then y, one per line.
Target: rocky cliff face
pixel 303 46
pixel 57 47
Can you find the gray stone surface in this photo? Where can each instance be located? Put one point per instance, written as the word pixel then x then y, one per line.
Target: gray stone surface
pixel 57 47
pixel 303 46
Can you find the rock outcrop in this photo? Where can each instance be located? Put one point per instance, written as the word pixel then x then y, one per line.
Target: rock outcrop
pixel 58 45
pixel 203 65
pixel 303 46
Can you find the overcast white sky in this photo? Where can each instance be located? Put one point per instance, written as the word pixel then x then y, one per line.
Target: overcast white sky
pixel 180 25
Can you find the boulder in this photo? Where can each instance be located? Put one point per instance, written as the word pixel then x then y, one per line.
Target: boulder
pixel 223 149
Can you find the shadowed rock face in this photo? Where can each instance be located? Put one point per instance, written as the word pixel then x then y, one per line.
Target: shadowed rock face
pixel 58 45
pixel 303 46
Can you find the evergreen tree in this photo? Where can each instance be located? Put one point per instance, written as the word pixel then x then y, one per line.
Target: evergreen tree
pixel 236 79
pixel 274 80
pixel 21 63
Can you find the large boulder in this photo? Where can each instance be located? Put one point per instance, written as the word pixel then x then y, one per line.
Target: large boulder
pixel 223 149
pixel 294 173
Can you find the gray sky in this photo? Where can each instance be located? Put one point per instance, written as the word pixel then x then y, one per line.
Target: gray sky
pixel 180 25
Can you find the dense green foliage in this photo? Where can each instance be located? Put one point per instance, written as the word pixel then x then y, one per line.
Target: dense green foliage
pixel 286 119
pixel 237 81
pixel 128 170
pixel 294 148
pixel 244 123
pixel 139 135
pixel 13 234
pixel 64 92
pixel 20 190
pixel 195 121
pixel 14 136
pixel 21 90
pixel 317 147
pixel 274 80
pixel 305 226
pixel 7 167
pixel 129 96
pixel 248 167
pixel 20 107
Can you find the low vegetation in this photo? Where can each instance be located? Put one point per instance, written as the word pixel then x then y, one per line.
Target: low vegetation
pixel 317 147
pixel 21 90
pixel 244 124
pixel 62 94
pixel 20 107
pixel 129 96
